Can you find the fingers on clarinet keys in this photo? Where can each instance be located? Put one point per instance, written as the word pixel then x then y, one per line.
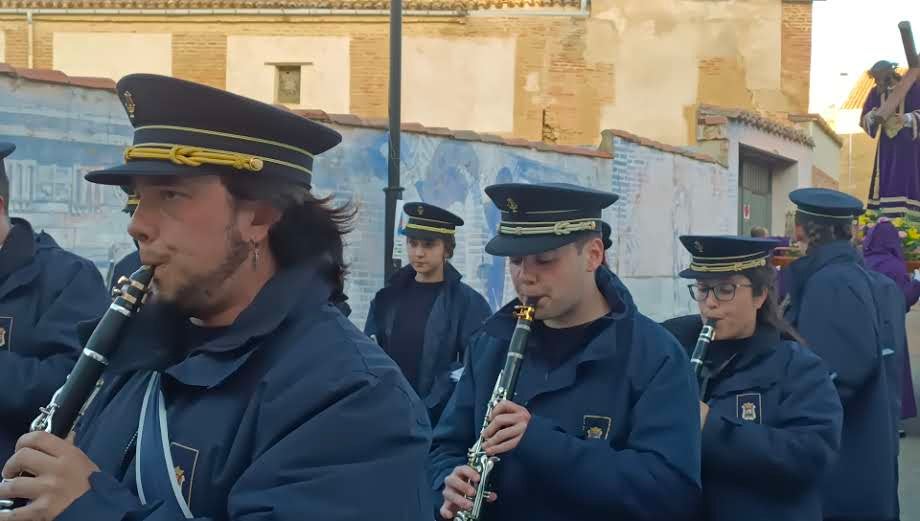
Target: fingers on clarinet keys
pixel 459 491
pixel 8 504
pixel 116 290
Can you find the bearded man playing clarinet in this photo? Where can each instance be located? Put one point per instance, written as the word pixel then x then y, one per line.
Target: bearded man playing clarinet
pixel 238 392
pixel 603 420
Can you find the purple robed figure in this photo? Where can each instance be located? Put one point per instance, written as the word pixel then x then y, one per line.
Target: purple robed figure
pixel 894 190
pixel 882 253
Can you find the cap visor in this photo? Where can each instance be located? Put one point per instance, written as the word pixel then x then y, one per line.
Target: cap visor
pixel 519 246
pixel 700 275
pixel 424 234
pixel 124 174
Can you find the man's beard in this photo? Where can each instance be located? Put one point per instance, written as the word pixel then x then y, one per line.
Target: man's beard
pixel 195 298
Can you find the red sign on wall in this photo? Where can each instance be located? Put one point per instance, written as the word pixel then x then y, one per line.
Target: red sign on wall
pixel 746 212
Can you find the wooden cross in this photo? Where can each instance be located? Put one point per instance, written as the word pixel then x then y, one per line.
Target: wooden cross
pixel 893 101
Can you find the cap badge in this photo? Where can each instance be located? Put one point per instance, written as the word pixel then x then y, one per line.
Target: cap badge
pixel 130 106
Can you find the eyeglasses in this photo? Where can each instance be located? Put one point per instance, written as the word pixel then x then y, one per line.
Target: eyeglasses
pixel 722 292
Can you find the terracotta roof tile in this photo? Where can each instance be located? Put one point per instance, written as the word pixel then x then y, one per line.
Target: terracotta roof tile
pixel 44 75
pixel 317 115
pixel 438 131
pixel 467 135
pixel 491 138
pixel 52 76
pixel 93 83
pixel 664 147
pixel 825 126
pixel 413 127
pixel 773 126
pixel 409 5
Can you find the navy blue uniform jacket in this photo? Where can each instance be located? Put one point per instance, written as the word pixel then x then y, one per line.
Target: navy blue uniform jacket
pixel 773 428
pixel 614 433
pixel 290 414
pixel 832 307
pixel 44 292
pixel 457 313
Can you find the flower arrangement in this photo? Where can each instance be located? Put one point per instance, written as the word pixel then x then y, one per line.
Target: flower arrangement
pixel 908 231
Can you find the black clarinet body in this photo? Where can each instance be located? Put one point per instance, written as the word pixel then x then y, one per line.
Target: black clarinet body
pixel 698 358
pixel 70 401
pixel 477 458
pixel 60 415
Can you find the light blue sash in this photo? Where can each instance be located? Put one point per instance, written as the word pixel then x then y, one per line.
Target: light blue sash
pixel 155 473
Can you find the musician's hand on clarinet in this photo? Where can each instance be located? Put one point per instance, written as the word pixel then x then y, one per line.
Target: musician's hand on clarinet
pixel 58 474
pixel 704 413
pixel 506 428
pixel 459 486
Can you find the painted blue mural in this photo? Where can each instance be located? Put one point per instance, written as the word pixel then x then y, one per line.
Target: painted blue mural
pixel 448 173
pixel 63 132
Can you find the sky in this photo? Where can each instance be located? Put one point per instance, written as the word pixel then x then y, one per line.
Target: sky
pixel 848 36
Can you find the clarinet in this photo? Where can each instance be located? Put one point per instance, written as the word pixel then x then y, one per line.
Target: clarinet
pixel 504 390
pixel 698 358
pixel 83 383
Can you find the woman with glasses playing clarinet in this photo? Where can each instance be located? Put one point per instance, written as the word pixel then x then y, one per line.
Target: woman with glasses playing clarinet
pixel 770 415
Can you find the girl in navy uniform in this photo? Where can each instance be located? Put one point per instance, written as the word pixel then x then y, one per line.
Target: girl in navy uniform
pixel 426 314
pixel 770 415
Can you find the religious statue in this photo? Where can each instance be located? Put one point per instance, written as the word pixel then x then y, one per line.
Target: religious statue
pixel 892 112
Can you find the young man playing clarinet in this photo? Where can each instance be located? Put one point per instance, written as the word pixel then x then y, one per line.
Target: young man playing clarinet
pixel 604 421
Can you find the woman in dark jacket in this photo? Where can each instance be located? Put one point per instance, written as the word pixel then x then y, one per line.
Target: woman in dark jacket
pixel 770 415
pixel 882 253
pixel 425 315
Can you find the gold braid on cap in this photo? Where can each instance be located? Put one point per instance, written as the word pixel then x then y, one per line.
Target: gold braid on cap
pixel 726 267
pixel 434 229
pixel 548 228
pixel 196 156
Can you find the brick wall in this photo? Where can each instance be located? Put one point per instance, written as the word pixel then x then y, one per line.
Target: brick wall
pixel 200 57
pixel 571 90
pixel 369 82
pixel 820 179
pixel 722 82
pixel 17 52
pixel 551 72
pixel 796 53
pixel 564 74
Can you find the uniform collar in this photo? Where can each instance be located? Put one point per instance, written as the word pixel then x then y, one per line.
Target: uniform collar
pixel 157 326
pixel 501 325
pixel 750 350
pixel 615 328
pixel 407 273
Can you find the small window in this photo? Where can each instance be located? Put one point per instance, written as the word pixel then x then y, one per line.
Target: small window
pixel 287 88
